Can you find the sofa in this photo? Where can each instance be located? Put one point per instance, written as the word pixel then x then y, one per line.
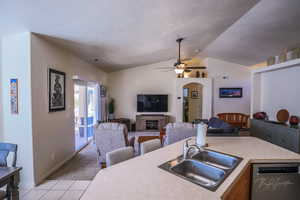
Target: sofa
pixel 218 127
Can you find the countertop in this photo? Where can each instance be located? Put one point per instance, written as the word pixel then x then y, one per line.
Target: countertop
pixel 141 179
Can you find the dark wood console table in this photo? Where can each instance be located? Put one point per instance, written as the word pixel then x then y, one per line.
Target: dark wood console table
pixel 10 176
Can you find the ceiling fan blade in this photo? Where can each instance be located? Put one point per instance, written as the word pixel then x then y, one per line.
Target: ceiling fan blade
pixel 186 59
pixel 187 70
pixel 165 68
pixel 196 67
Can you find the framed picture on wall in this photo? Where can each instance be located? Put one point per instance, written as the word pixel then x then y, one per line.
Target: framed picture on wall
pixel 195 94
pixel 14 96
pixel 231 92
pixel 57 90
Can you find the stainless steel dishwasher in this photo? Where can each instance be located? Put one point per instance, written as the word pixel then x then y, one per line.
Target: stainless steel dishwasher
pixel 276 181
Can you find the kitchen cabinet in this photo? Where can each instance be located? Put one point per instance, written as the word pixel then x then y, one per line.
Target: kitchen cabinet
pixel 241 188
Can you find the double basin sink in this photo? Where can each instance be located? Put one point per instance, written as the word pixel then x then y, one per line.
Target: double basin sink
pixel 207 168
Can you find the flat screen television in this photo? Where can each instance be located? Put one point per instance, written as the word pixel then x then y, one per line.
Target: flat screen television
pixel 152 103
pixel 231 92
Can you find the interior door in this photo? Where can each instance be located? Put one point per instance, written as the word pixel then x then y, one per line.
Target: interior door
pixel 80 115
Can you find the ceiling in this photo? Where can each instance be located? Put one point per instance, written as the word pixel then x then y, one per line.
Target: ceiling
pixel 267 29
pixel 129 33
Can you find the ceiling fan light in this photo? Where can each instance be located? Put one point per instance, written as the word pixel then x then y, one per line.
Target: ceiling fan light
pixel 179 70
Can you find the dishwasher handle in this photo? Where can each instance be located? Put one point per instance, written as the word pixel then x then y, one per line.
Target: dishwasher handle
pixel 278 170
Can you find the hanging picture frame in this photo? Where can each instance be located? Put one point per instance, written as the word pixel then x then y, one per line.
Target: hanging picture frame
pixel 57 90
pixel 14 101
pixel 195 94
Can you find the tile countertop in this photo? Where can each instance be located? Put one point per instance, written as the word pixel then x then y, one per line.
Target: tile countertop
pixel 141 179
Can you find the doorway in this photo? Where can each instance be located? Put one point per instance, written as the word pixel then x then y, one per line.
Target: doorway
pixel 192 102
pixel 86 107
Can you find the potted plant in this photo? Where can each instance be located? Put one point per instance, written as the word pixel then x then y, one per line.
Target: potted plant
pixel 111 109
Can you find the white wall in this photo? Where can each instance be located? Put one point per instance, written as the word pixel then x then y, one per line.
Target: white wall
pixel 1 94
pixel 53 133
pixel 124 85
pixel 237 76
pixel 280 90
pixel 45 139
pixel 18 128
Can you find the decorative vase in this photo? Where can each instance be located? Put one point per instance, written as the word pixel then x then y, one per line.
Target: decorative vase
pixel 294 121
pixel 260 116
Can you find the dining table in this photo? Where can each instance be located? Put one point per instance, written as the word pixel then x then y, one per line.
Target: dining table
pixel 10 177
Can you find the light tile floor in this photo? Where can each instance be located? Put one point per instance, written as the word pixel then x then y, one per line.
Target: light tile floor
pixel 56 190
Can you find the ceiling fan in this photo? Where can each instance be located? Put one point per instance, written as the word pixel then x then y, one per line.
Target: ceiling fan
pixel 180 66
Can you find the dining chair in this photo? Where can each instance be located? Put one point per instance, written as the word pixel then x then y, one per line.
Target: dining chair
pixel 119 155
pixel 5 150
pixel 150 145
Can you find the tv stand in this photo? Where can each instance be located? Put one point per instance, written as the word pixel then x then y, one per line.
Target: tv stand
pixel 151 122
pixel 152 115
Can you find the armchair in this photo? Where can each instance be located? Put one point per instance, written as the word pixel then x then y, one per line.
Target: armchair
pixel 179 131
pixel 238 120
pixel 109 137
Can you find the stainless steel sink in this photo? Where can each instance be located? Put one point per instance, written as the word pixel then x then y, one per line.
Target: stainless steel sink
pixel 206 168
pixel 216 159
pixel 199 172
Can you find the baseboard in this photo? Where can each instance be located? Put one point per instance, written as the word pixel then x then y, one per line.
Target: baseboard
pixel 59 165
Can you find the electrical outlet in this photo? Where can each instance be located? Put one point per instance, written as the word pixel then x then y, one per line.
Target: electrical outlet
pixel 53 156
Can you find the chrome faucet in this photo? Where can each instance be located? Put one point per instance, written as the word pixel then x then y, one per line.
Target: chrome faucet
pixel 187 148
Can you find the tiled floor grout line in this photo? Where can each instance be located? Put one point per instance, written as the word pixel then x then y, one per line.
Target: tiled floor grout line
pixel 63 194
pixel 82 189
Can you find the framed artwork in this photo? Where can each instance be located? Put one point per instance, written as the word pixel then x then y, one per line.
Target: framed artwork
pixel 57 90
pixel 14 96
pixel 102 91
pixel 195 94
pixel 231 92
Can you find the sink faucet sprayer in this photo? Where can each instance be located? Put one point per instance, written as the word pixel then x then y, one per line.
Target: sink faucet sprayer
pixel 187 148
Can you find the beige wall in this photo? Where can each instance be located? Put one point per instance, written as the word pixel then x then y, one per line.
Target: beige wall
pixel 53 133
pixel 124 85
pixel 226 74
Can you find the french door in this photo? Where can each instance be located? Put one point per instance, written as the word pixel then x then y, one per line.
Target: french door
pixel 86 112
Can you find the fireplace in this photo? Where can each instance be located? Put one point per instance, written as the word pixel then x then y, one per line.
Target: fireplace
pixel 152 125
pixel 151 122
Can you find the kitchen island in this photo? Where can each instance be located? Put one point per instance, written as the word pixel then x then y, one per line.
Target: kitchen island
pixel 141 179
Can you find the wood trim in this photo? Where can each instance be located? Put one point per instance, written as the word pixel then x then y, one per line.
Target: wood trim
pixel 241 188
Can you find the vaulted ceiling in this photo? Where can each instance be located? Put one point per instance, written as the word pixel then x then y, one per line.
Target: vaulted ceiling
pixel 128 33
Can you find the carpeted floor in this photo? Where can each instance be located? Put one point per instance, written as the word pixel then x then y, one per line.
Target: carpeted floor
pixel 84 165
